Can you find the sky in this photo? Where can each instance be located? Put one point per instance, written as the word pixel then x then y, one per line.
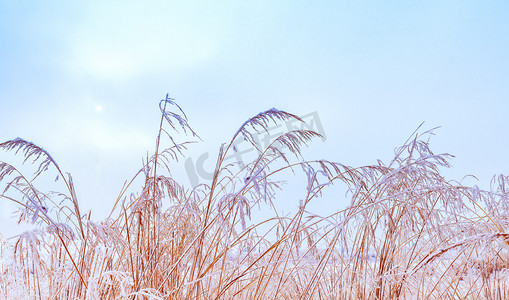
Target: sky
pixel 83 80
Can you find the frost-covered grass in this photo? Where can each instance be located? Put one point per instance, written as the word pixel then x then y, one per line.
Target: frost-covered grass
pixel 407 233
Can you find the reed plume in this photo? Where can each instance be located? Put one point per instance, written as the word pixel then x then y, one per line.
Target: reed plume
pixel 407 232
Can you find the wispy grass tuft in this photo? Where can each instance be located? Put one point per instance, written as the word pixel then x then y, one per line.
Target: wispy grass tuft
pixel 407 232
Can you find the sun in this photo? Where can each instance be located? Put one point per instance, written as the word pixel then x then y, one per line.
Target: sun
pixel 98 108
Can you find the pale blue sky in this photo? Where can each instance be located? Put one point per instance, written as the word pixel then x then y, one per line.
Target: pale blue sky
pixel 372 70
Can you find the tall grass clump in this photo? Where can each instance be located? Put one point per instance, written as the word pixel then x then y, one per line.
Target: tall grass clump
pixel 407 232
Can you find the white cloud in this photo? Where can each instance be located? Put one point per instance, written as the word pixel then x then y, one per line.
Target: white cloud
pixel 116 47
pixel 110 138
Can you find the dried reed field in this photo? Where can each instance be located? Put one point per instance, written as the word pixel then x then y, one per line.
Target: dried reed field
pixel 406 233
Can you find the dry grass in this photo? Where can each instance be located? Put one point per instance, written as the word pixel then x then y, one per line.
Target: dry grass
pixel 407 233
